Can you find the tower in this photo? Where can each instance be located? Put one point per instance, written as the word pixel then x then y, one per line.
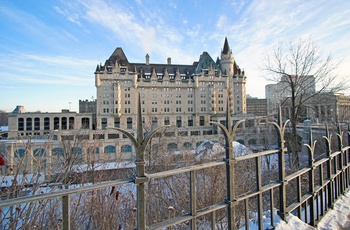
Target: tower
pixel 235 78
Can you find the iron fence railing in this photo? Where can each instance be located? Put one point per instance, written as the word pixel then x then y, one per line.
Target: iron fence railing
pixel 326 180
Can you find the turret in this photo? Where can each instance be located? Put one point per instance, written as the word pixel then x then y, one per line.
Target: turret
pixel 227 61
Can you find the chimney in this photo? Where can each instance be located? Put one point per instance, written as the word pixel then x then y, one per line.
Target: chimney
pixel 169 61
pixel 147 59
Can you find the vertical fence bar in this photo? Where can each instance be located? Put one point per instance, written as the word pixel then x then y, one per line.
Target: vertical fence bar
pixel 322 190
pixel 341 166
pixel 229 132
pixel 330 186
pixel 311 148
pixel 299 196
pixel 281 166
pixel 193 197
pixel 258 188
pixel 141 178
pixel 213 220
pixel 246 213
pixel 272 205
pixel 66 212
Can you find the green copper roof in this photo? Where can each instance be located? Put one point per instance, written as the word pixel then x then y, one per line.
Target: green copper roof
pixel 206 62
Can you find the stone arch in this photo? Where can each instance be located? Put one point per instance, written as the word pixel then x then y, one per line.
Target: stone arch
pixel 172 146
pixel 109 149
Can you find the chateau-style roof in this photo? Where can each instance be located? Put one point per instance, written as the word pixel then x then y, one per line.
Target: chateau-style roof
pixel 205 63
pixel 226 47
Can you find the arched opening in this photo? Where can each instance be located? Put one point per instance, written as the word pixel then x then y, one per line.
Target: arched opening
pixel 187 145
pixel 117 122
pixel 129 123
pixel 19 153
pixel 240 141
pixel 201 121
pixel 37 123
pixel 29 123
pixel 39 152
pixel 166 121
pixel 190 121
pixel 110 149
pixel 20 124
pixel 126 149
pixel 178 121
pixel 172 146
pixel 85 123
pixel 252 142
pixel 56 123
pixel 91 150
pixel 76 150
pixel 63 123
pixel 104 123
pixel 57 151
pixel 46 123
pixel 71 122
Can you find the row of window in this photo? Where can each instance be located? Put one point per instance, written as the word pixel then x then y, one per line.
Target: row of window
pixel 57 123
pixel 129 121
pixel 39 152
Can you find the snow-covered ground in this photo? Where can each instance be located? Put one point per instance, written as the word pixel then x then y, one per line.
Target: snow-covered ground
pixel 338 218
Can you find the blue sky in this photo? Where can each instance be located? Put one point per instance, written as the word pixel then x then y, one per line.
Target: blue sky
pixel 49 49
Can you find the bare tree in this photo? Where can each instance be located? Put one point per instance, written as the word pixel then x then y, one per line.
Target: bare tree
pixel 300 68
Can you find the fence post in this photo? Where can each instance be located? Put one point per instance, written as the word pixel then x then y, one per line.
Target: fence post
pixel 341 162
pixel 229 132
pixel 280 128
pixel 141 178
pixel 193 198
pixel 330 186
pixel 311 161
pixel 66 212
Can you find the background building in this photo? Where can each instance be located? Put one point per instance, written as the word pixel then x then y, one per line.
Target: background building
pixel 171 94
pixel 185 96
pixel 257 106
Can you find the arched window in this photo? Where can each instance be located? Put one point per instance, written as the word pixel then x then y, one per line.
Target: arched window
pixel 63 123
pixel 117 122
pixel 71 122
pixel 39 152
pixel 29 123
pixel 109 149
pixel 85 123
pixel 19 153
pixel 91 150
pixel 201 121
pixel 56 123
pixel 129 123
pixel 76 150
pixel 178 121
pixel 37 123
pixel 57 151
pixel 252 142
pixel 104 123
pixel 172 146
pixel 190 121
pixel 46 123
pixel 198 144
pixel 187 145
pixel 126 148
pixel 166 121
pixel 240 141
pixel 154 121
pixel 20 124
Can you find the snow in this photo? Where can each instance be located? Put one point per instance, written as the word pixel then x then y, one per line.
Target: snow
pixel 337 218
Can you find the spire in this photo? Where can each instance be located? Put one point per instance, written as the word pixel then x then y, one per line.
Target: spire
pixel 226 47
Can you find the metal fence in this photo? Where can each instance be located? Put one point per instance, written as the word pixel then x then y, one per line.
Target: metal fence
pixel 326 180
